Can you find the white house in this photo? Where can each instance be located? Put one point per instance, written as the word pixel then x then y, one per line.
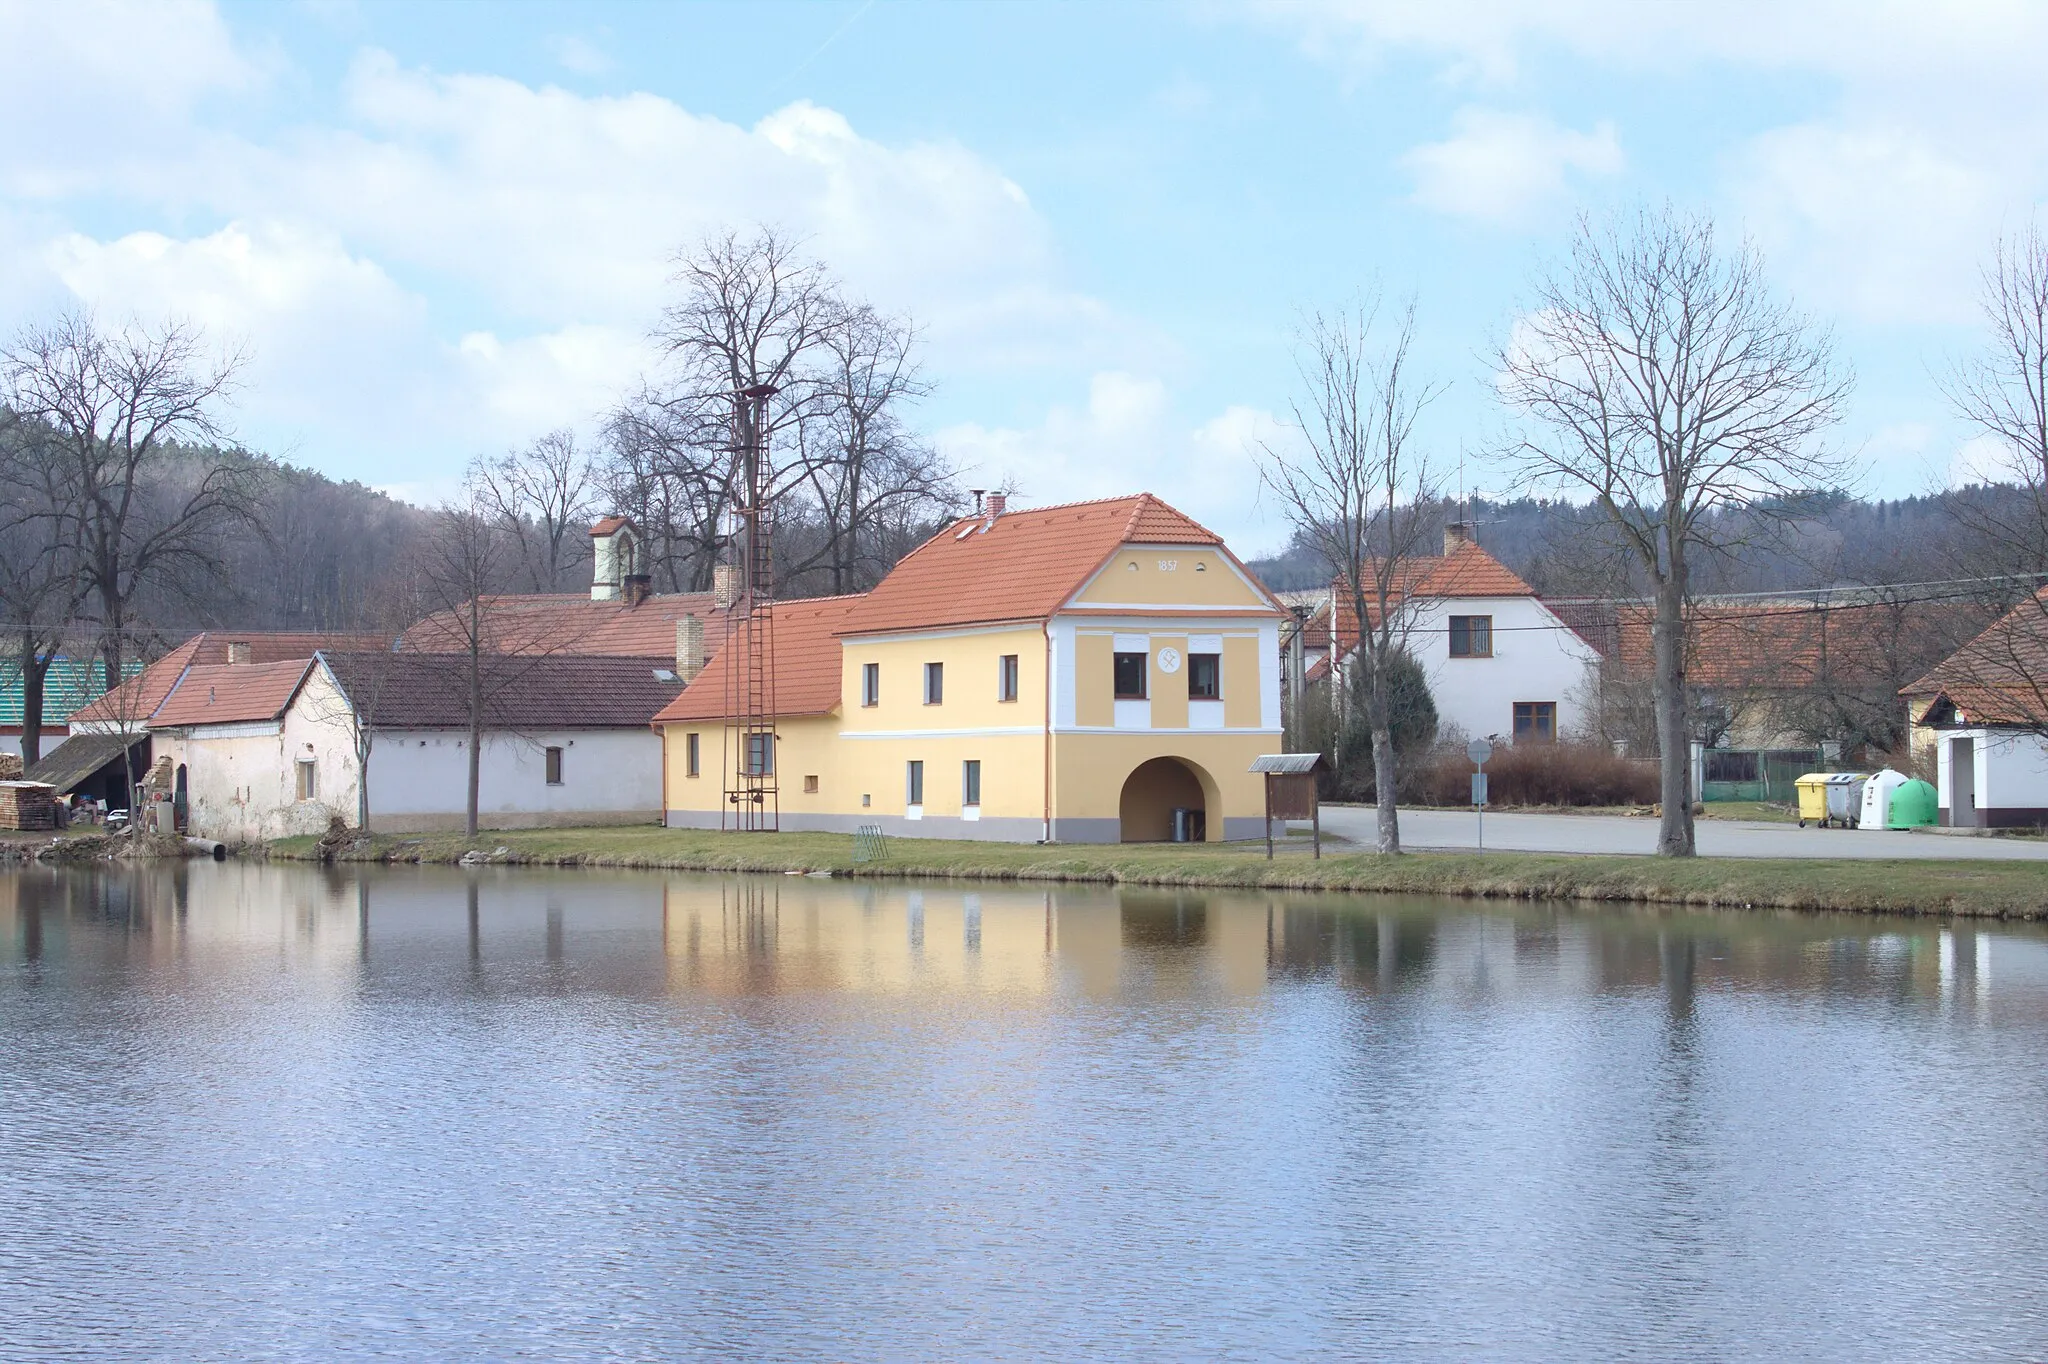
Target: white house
pixel 266 750
pixel 1987 708
pixel 1500 663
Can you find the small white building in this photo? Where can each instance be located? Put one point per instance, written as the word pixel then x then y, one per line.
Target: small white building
pixel 1500 663
pixel 269 750
pixel 1986 707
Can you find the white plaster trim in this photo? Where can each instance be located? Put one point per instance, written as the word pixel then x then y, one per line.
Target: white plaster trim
pixel 1204 715
pixel 1132 644
pixel 1205 644
pixel 1133 715
pixel 240 729
pixel 970 812
pixel 913 812
pixel 1111 729
pixel 1177 608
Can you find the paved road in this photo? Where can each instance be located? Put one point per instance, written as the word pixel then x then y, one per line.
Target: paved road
pixel 1717 837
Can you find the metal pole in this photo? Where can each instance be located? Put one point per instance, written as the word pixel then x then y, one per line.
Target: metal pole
pixel 1269 816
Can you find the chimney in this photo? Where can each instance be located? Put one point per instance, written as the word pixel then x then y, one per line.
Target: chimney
pixel 725 585
pixel 1457 535
pixel 998 503
pixel 689 648
pixel 639 587
pixel 238 651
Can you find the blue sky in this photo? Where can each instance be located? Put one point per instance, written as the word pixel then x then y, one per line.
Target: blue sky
pixel 443 229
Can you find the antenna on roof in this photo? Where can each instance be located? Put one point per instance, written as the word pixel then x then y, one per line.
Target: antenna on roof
pixel 978 494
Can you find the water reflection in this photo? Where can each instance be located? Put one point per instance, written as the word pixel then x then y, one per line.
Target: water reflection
pixel 267 1110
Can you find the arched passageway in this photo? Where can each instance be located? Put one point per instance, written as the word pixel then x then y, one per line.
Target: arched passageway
pixel 1153 791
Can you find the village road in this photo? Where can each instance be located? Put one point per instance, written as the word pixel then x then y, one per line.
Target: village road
pixel 1456 829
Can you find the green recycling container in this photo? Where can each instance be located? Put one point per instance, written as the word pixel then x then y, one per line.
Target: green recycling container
pixel 1913 806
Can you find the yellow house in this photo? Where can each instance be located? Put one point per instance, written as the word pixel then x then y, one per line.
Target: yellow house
pixel 1076 673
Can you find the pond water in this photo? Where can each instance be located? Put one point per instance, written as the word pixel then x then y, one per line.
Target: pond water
pixel 255 1112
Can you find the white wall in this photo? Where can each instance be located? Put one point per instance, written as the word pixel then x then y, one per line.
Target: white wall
pixel 419 779
pixel 242 779
pixel 2011 769
pixel 1536 657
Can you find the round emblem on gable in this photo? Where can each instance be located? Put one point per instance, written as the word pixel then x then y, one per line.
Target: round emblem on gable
pixel 1169 660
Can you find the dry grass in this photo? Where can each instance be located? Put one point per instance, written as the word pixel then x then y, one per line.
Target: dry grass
pixel 1996 889
pixel 1561 774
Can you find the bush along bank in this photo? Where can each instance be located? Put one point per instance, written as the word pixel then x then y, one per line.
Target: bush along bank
pixel 1977 889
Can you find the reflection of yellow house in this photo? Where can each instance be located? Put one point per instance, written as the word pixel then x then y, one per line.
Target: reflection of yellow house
pixel 1076 673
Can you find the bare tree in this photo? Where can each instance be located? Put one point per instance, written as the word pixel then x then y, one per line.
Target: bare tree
pixel 461 566
pixel 1655 373
pixel 541 496
pixel 107 411
pixel 1359 490
pixel 861 463
pixel 41 589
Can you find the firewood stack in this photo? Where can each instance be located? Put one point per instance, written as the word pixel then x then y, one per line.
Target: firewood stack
pixel 10 767
pixel 27 805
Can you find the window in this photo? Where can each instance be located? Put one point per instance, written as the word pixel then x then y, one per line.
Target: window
pixel 760 755
pixel 554 767
pixel 871 684
pixel 970 782
pixel 1471 636
pixel 309 780
pixel 1130 677
pixel 691 751
pixel 1006 678
pixel 934 683
pixel 1205 677
pixel 810 786
pixel 1535 721
pixel 913 782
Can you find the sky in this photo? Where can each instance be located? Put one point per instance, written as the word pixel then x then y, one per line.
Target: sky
pixel 442 230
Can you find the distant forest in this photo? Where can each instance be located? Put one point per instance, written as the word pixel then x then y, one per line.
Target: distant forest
pixel 1823 541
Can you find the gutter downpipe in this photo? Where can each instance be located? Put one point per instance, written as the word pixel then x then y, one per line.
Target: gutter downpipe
pixel 1045 833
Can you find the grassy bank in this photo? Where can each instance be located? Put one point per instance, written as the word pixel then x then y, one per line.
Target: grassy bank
pixel 1995 889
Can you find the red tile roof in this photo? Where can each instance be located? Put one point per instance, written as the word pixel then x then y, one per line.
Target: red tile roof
pixel 521 692
pixel 571 623
pixel 807 664
pixel 1020 566
pixel 136 699
pixel 228 693
pixel 608 525
pixel 2000 677
pixel 1467 572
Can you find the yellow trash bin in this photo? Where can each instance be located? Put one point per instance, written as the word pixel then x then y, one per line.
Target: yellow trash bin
pixel 1813 798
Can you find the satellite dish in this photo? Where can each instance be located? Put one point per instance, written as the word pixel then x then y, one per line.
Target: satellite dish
pixel 1479 751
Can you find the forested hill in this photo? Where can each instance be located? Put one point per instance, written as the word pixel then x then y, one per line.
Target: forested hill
pixel 1828 540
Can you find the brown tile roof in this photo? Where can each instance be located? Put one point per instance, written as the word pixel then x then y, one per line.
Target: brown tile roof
pixel 521 692
pixel 807 664
pixel 571 623
pixel 228 693
pixel 136 699
pixel 1020 566
pixel 608 525
pixel 2000 677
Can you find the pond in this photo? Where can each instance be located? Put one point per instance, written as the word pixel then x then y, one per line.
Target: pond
pixel 269 1112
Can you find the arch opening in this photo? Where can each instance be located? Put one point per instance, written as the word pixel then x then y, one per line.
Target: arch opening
pixel 1158 787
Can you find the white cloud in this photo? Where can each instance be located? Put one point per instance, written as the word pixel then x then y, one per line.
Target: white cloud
pixel 1500 167
pixel 1128 438
pixel 453 262
pixel 580 54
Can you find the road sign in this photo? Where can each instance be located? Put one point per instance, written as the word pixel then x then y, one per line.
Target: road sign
pixel 1479 788
pixel 1479 751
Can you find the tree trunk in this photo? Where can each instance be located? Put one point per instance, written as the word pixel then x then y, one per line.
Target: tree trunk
pixel 35 668
pixel 1384 778
pixel 1674 736
pixel 363 784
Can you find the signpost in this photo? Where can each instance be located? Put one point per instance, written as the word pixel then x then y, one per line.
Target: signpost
pixel 1479 750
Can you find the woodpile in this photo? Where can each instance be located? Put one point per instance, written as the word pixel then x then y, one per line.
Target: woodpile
pixel 10 767
pixel 27 805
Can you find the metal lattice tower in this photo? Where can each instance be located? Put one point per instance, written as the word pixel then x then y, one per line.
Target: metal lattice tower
pixel 752 801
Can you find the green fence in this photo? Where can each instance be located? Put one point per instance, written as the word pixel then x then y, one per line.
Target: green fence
pixel 1756 773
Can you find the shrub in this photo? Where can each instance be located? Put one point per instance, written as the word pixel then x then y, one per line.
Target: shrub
pixel 1542 774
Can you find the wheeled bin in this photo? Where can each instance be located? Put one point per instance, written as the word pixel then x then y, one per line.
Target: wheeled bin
pixel 1813 798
